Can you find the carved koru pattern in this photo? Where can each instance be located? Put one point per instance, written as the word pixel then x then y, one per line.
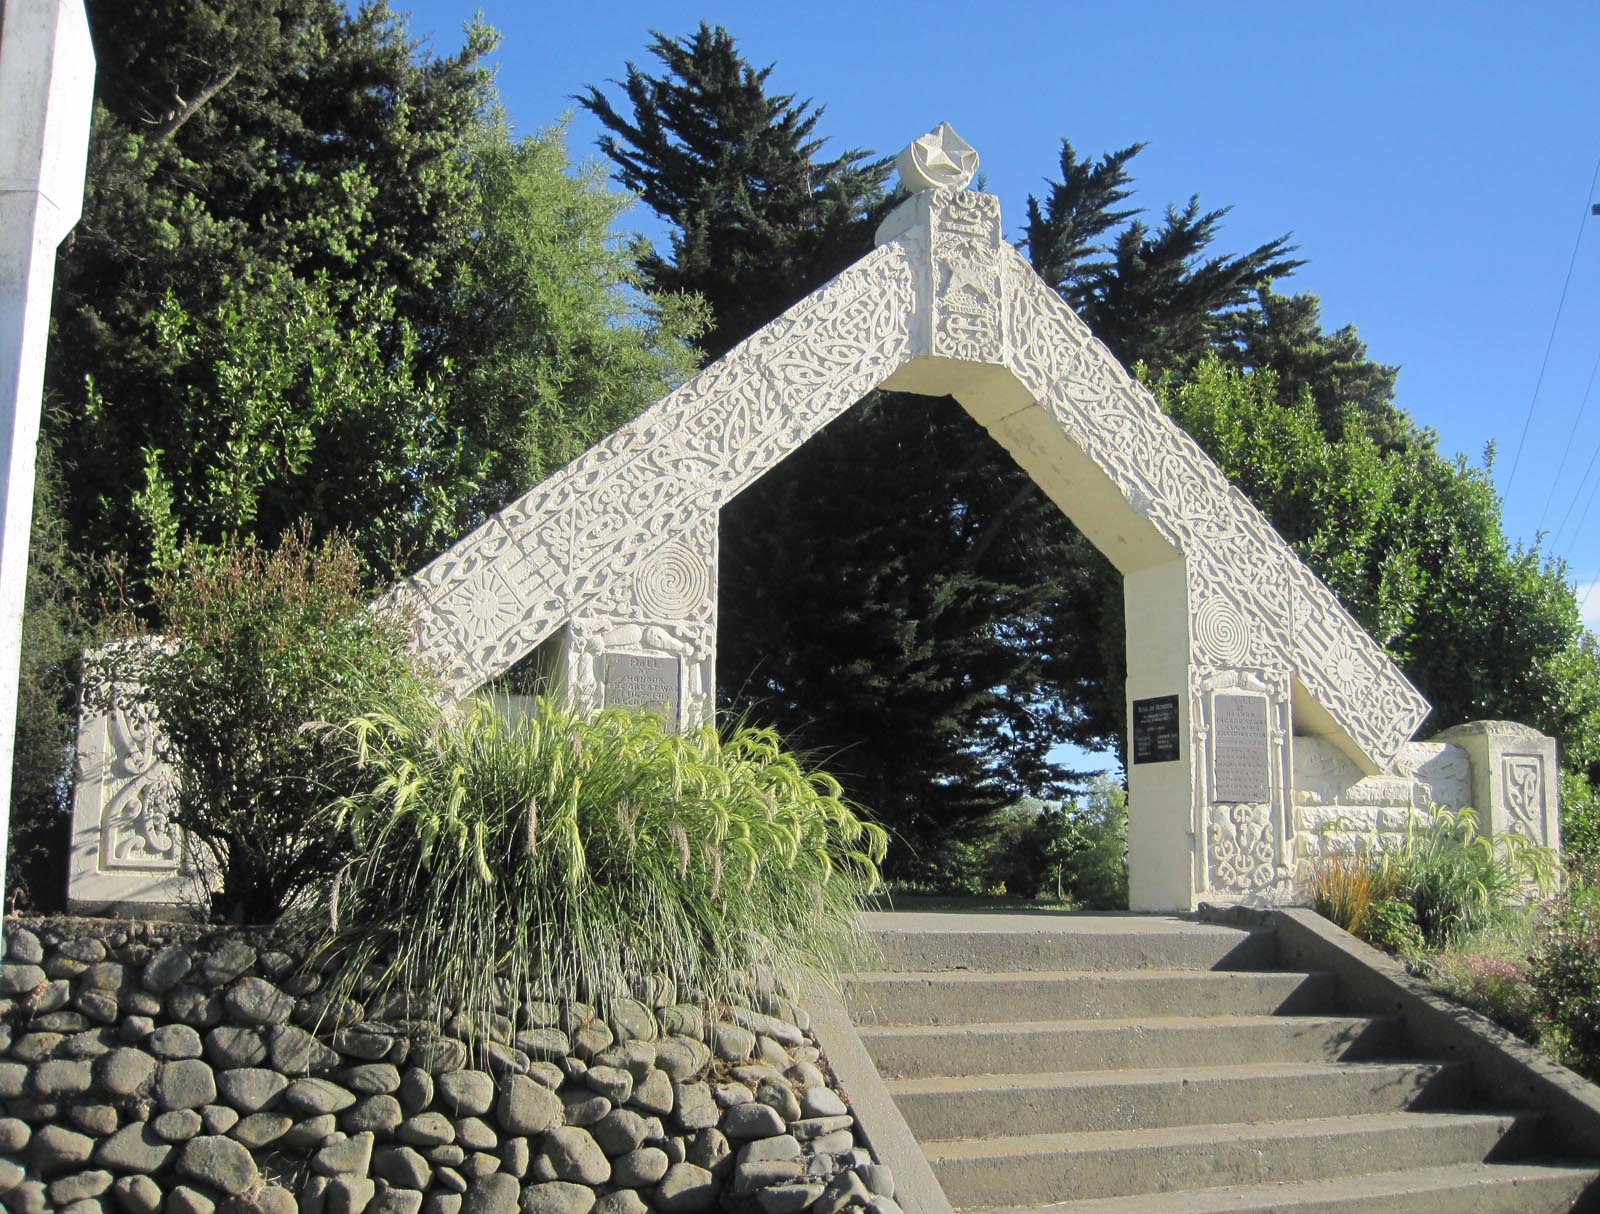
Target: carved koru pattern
pixel 1239 842
pixel 1284 613
pixel 967 315
pixel 623 513
pixel 1523 778
pixel 135 830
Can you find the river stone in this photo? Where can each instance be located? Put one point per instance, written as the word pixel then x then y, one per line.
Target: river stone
pixel 808 1128
pixel 235 1045
pixel 580 1107
pixel 614 1083
pixel 80 1186
pixel 749 1177
pixel 175 1041
pixel 395 1201
pixel 684 1020
pixel 845 1189
pixel 806 1074
pixel 696 1108
pixel 310 1132
pixel 515 1156
pixel 257 1001
pixel 314 1097
pixel 878 1179
pixel 547 1073
pixel 136 1147
pixel 227 961
pixel 251 1089
pixel 99 1007
pixel 788 1199
pixel 219 1162
pixel 752 1121
pixel 619 1131
pixel 493 1194
pixel 445 1155
pixel 764 1150
pixel 363 1043
pixel 450 1180
pixel 591 1037
pixel 14 1135
pixel 137 1194
pixel 836 1143
pixel 729 1094
pixel 89 1044
pixel 296 1052
pixel 638 1058
pixel 527 1107
pixel 544 1044
pixel 686 1189
pixel 639 1169
pixel 822 1102
pixel 192 1006
pixel 273 1199
pixel 653 1094
pixel 557 1197
pixel 465 1093
pixel 571 1153
pixel 349 1194
pixel 23 947
pixel 185 1084
pixel 13 1080
pixel 20 979
pixel 29 1197
pixel 377 1114
pixel 416 1091
pixel 55 1149
pixel 426 1130
pixel 777 1094
pixel 732 1042
pixel 682 1058
pixel 771 1053
pixel 349 1157
pixel 372 1079
pixel 261 1129
pixel 186 1200
pixel 179 1125
pixel 439 1055
pixel 402 1166
pixel 630 1020
pixel 623 1201
pixel 475 1134
pixel 104 976
pixel 61 1077
pixel 780 1031
pixel 134 1029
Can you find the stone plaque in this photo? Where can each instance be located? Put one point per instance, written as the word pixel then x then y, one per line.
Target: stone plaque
pixel 634 680
pixel 1155 730
pixel 1241 750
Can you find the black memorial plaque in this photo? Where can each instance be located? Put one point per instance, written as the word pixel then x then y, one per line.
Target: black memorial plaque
pixel 1155 730
pixel 639 681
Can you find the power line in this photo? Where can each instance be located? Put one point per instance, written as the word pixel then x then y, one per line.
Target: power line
pixel 1566 451
pixel 1554 324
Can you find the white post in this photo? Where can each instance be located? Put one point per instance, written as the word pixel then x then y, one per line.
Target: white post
pixel 46 98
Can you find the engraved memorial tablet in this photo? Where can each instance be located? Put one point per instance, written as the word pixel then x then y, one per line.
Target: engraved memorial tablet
pixel 1155 730
pixel 1241 750
pixel 636 681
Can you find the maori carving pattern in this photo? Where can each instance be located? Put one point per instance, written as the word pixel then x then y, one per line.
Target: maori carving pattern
pixel 1239 839
pixel 965 239
pixel 1523 777
pixel 135 830
pixel 1270 609
pixel 618 515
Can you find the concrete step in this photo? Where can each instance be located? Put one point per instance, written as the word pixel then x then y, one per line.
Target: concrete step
pixel 912 1051
pixel 963 997
pixel 934 942
pixel 1042 1168
pixel 1473 1188
pixel 973 1106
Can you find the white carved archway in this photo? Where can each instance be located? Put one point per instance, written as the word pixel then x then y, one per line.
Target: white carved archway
pixel 616 553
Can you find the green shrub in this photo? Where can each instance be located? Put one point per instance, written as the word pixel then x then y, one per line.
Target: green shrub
pixel 1457 880
pixel 1564 974
pixel 1392 924
pixel 257 643
pixel 558 854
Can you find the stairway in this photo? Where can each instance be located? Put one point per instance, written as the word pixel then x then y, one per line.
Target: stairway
pixel 1124 1064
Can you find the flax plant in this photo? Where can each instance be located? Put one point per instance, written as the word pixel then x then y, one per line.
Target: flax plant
pixel 561 855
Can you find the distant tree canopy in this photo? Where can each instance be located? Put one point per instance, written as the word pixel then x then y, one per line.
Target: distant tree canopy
pixel 899 597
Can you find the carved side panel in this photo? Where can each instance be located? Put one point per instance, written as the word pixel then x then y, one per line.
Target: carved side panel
pixel 622 517
pixel 125 849
pixel 1255 603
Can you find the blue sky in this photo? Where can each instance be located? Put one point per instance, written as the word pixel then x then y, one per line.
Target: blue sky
pixel 1434 162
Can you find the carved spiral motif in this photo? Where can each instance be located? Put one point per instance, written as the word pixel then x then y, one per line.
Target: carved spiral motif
pixel 1222 632
pixel 672 583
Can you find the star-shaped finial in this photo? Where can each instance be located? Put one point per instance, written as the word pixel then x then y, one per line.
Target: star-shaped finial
pixel 939 158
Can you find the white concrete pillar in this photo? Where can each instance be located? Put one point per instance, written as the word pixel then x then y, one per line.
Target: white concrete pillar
pixel 46 98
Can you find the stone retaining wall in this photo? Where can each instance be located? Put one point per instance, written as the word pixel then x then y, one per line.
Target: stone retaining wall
pixel 150 1067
